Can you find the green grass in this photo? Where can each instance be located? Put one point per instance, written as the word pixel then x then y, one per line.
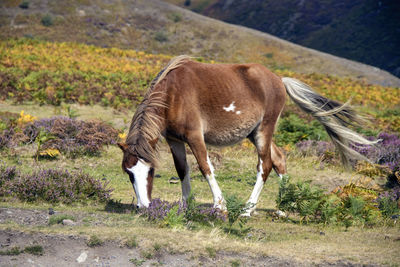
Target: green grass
pixel 236 173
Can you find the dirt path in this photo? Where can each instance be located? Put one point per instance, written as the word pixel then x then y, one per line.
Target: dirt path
pixel 72 250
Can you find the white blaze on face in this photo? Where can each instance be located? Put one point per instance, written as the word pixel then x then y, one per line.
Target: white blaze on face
pixel 140 173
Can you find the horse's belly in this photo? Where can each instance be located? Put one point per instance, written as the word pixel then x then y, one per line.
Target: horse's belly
pixel 223 135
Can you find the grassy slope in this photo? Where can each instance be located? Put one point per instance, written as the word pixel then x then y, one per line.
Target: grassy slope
pixel 302 243
pixel 137 24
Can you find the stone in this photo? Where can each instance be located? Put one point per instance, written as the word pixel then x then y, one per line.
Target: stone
pixel 68 222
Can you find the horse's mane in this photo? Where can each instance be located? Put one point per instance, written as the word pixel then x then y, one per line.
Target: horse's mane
pixel 145 125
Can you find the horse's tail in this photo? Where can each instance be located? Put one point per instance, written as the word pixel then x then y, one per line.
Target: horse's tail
pixel 334 116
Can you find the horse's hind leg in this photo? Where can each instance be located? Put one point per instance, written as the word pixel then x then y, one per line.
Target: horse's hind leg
pixel 262 140
pixel 178 151
pixel 198 147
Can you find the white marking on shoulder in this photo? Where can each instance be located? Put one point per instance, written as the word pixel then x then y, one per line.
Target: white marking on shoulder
pixel 230 108
pixel 141 171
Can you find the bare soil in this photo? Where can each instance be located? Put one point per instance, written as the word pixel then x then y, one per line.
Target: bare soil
pixel 73 250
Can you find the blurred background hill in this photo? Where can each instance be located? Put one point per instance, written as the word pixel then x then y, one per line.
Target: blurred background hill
pixel 363 30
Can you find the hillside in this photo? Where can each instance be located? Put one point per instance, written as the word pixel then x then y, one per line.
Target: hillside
pixel 158 27
pixel 365 31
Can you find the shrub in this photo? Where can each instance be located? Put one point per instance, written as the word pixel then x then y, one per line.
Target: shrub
pixel 24 4
pixel 176 214
pixel 388 202
pixel 47 20
pixel 54 185
pixel 347 205
pixel 7 176
pixel 161 36
pixel 292 129
pixel 70 136
pixel 386 152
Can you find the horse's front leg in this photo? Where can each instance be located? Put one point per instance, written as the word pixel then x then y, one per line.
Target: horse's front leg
pixel 199 150
pixel 178 151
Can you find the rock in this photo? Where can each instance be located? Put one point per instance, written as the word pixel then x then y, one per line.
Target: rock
pixel 82 257
pixel 51 211
pixel 68 222
pixel 280 214
pixel 322 233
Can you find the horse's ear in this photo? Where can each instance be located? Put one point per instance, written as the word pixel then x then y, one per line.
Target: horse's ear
pixel 123 146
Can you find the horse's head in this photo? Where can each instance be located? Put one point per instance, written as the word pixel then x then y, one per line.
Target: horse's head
pixel 140 173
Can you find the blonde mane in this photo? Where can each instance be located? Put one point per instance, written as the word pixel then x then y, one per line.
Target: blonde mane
pixel 145 125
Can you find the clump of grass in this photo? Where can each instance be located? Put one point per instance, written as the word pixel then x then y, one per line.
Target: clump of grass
pixel 161 36
pixel 137 262
pixel 175 16
pixel 58 218
pixel 47 20
pixel 211 252
pixel 157 246
pixel 132 242
pixel 24 4
pixel 235 263
pixel 148 254
pixel 34 250
pixel 12 252
pixel 94 241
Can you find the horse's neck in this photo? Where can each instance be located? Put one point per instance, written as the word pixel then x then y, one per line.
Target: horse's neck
pixel 146 128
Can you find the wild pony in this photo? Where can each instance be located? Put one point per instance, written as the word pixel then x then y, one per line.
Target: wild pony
pixel 221 104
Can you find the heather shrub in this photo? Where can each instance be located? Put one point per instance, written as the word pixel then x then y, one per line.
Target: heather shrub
pixel 200 214
pixel 70 136
pixel 53 185
pixel 386 152
pixel 7 175
pixel 176 214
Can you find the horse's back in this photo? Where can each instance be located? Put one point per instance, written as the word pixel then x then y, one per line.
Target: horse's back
pixel 227 100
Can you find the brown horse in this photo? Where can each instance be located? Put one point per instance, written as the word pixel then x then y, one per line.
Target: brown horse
pixel 221 104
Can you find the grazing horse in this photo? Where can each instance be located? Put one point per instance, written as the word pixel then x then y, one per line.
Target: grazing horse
pixel 221 104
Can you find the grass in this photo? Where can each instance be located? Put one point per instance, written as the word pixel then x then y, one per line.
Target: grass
pixel 14 251
pixel 94 241
pixel 58 218
pixel 236 173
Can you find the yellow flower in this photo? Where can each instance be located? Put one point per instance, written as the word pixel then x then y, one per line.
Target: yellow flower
pixel 23 119
pixel 122 136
